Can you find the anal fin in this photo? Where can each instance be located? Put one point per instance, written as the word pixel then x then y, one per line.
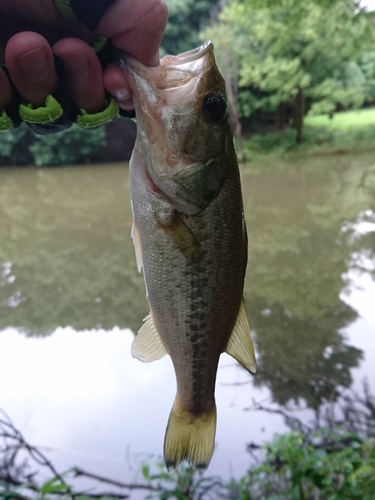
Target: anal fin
pixel 147 345
pixel 240 345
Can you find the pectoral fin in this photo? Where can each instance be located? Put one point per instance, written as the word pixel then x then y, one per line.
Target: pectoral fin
pixel 137 246
pixel 147 345
pixel 185 239
pixel 240 345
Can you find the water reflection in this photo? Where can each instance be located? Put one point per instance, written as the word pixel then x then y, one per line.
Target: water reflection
pixel 66 254
pixel 303 225
pixel 66 258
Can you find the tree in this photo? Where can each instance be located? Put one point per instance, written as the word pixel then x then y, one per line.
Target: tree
pixel 366 64
pixel 300 53
pixel 186 19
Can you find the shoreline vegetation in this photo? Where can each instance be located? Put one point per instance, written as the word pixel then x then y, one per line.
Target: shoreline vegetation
pixel 346 132
pixel 332 457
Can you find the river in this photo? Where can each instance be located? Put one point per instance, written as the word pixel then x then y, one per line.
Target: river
pixel 71 298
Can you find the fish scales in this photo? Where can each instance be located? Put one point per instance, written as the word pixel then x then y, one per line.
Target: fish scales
pixel 190 238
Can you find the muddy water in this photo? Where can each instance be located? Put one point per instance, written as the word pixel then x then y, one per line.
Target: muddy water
pixel 70 297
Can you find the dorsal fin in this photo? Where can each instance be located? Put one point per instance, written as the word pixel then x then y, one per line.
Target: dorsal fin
pixel 147 345
pixel 240 345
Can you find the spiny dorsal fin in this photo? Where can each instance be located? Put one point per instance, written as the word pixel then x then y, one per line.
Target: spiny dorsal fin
pixel 240 345
pixel 137 246
pixel 185 239
pixel 189 437
pixel 147 345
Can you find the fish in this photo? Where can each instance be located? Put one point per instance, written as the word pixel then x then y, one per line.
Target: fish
pixel 190 238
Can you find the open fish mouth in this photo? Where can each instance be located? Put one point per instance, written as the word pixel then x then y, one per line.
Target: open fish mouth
pixel 189 58
pixel 174 71
pixel 168 101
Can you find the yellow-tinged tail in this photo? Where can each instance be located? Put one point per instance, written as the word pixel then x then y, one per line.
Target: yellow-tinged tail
pixel 189 437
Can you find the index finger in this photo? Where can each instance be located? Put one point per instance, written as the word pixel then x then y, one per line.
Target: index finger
pixel 136 27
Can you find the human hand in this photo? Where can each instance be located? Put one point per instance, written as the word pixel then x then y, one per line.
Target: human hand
pixel 31 32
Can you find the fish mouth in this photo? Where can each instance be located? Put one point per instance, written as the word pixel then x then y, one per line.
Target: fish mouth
pixel 174 71
pixel 180 70
pixel 188 57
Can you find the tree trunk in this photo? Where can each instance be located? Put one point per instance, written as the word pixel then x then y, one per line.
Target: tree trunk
pixel 299 111
pixel 281 116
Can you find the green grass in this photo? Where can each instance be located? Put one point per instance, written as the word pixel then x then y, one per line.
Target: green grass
pixel 345 120
pixel 346 132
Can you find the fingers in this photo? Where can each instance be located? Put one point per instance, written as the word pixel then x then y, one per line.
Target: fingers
pixel 116 84
pixel 29 57
pixel 84 75
pixel 140 34
pixel 141 28
pixel 31 66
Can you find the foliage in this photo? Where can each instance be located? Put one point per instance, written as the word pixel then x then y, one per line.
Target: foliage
pixel 366 63
pixel 186 19
pixel 308 47
pixel 329 464
pixel 20 146
pixel 183 483
pixel 14 146
pixel 290 57
pixel 75 145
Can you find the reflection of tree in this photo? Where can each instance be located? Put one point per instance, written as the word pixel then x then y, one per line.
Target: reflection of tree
pixel 298 259
pixel 303 358
pixel 66 250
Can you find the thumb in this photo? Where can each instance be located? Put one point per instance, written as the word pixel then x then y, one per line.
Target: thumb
pixel 136 27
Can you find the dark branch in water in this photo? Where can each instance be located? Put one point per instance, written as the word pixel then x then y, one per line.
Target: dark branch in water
pixel 352 412
pixel 21 484
pixel 14 473
pixel 130 486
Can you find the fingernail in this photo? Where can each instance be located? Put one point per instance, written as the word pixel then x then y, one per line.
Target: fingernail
pixel 77 66
pixel 122 94
pixel 34 64
pixel 126 105
pixel 124 98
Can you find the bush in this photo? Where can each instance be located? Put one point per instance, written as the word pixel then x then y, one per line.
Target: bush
pixel 327 465
pixel 20 146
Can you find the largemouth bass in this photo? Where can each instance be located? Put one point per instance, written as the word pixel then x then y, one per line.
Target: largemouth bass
pixel 190 238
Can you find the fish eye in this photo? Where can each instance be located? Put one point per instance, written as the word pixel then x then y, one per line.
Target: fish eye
pixel 214 107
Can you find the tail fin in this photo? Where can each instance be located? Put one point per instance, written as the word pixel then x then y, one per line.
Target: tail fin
pixel 189 438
